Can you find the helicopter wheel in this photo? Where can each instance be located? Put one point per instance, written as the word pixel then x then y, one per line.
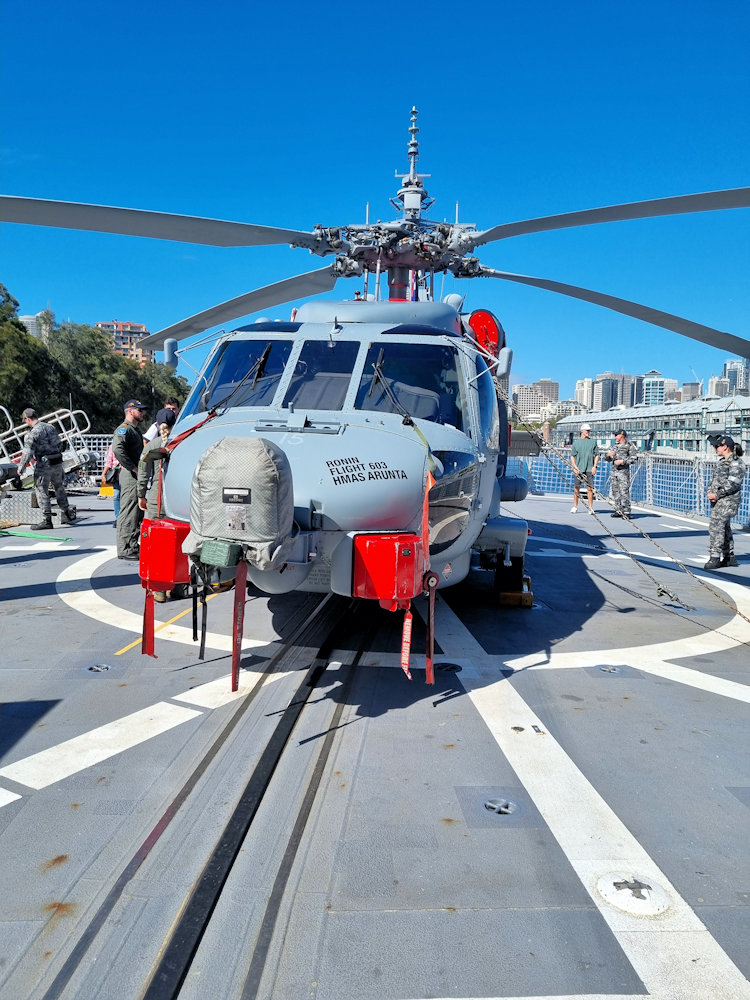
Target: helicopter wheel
pixel 509 579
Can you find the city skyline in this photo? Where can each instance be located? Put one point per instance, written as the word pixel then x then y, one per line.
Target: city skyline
pixel 596 105
pixel 718 374
pixel 612 389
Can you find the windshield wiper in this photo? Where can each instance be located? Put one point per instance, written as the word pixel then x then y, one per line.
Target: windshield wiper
pixel 378 376
pixel 261 365
pixel 255 370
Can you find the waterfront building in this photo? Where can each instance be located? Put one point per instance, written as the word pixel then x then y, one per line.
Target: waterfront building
pixel 125 338
pixel 679 430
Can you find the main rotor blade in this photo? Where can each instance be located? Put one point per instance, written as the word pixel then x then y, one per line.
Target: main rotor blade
pixel 696 331
pixel 135 222
pixel 709 201
pixel 311 283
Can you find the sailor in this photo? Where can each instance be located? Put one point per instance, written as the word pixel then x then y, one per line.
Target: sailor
pixel 151 494
pixel 42 443
pixel 127 445
pixel 723 494
pixel 622 455
pixel 167 415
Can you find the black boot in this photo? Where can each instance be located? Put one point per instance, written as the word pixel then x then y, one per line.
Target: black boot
pixel 45 525
pixel 70 514
pixel 729 561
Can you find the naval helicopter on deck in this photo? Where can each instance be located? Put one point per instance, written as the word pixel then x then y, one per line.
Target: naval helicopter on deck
pixel 359 448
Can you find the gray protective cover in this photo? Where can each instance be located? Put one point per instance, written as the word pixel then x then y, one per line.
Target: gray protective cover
pixel 242 492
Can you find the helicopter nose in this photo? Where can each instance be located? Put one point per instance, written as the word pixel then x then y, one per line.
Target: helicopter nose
pixel 366 479
pixel 241 492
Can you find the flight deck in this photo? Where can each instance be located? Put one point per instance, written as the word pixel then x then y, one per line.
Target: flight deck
pixel 564 813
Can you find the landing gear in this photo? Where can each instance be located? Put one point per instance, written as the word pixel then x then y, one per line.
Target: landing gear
pixel 508 579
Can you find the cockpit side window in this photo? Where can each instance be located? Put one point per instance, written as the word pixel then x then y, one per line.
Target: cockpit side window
pixel 420 379
pixel 322 375
pixel 243 373
pixel 488 415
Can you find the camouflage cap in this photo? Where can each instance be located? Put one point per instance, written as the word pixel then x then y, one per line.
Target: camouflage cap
pixel 717 440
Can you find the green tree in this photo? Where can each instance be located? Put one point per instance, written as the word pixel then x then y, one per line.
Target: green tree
pixel 80 369
pixel 28 375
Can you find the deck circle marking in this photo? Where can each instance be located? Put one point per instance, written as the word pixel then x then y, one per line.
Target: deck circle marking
pixel 633 895
pixel 71 585
pixel 75 587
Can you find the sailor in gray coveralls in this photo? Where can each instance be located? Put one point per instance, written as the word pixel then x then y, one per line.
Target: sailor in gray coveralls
pixel 43 444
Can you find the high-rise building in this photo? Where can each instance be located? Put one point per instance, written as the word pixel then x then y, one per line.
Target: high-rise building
pixel 528 401
pixel 38 326
pixel 736 371
pixel 653 387
pixel 618 390
pixel 690 390
pixel 584 393
pixel 125 338
pixel 718 386
pixel 605 393
pixel 547 389
pixel 671 390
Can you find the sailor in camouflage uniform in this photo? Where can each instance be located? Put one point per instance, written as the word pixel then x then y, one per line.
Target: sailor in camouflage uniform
pixel 724 493
pixel 127 445
pixel 622 455
pixel 42 443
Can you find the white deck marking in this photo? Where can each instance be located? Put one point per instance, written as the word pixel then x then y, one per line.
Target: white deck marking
pixel 40 547
pixel 214 694
pixel 6 797
pixel 58 762
pixel 555 996
pixel 75 588
pixel 595 546
pixel 674 955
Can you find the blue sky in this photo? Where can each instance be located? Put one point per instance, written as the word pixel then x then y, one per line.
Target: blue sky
pixel 298 114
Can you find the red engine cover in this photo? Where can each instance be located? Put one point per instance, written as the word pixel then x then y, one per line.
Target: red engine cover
pixel 388 567
pixel 163 563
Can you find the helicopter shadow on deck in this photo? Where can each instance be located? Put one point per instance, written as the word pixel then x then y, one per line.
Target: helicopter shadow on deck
pixel 566 597
pixel 376 690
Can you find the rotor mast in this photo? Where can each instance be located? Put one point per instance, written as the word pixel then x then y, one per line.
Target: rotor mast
pixel 411 199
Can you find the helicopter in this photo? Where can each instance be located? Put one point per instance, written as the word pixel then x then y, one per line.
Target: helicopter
pixel 359 448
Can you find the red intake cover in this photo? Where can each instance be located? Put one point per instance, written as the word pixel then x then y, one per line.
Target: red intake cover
pixel 163 563
pixel 388 567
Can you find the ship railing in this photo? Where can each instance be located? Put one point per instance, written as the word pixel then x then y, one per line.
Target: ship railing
pixel 658 481
pixel 71 425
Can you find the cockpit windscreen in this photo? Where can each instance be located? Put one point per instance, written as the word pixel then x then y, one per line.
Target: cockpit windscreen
pixel 322 375
pixel 243 373
pixel 422 380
